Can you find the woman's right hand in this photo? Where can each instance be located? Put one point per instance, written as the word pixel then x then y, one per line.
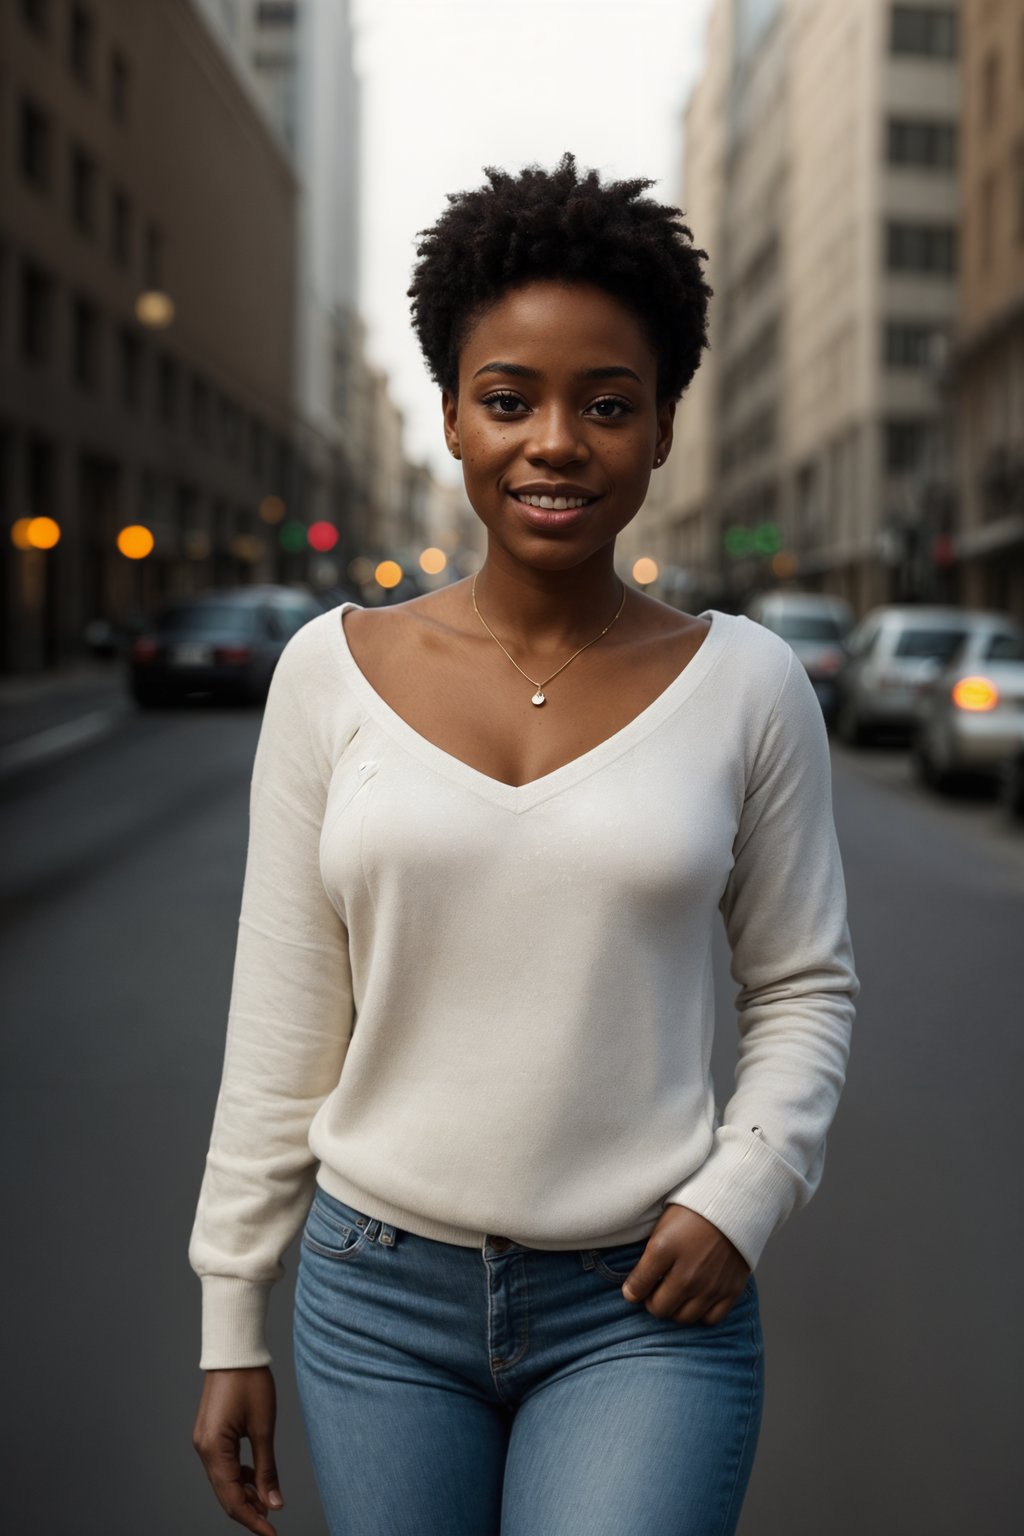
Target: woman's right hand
pixel 237 1405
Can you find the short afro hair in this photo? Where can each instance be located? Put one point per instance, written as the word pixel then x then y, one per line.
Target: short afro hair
pixel 569 227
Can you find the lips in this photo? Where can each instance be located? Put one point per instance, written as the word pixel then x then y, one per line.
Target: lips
pixel 554 516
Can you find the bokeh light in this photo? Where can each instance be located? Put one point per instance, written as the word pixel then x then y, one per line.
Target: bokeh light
pixel 154 310
pixel 272 509
pixel 135 541
pixel 43 532
pixel 645 570
pixel 388 573
pixel 292 536
pixel 322 537
pixel 433 560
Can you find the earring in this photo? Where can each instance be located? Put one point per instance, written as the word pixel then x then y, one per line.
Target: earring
pixel 657 462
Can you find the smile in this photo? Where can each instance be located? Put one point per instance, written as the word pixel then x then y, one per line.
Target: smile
pixel 554 503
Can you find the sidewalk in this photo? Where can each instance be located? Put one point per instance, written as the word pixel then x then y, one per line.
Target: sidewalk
pixel 45 714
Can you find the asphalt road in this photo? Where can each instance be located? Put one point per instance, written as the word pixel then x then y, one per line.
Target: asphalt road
pixel 894 1351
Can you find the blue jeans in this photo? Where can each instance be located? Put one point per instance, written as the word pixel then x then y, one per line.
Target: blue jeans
pixel 512 1391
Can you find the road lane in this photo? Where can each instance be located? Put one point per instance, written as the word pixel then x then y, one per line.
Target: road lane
pixel 892 1356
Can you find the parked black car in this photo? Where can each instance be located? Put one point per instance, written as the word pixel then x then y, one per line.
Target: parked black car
pixel 223 641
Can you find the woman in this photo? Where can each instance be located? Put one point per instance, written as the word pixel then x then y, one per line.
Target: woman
pixel 472 1006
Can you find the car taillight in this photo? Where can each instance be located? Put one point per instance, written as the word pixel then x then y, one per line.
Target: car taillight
pixel 830 661
pixel 233 655
pixel 975 693
pixel 145 649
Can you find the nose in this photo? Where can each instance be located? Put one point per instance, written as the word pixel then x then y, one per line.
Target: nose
pixel 556 437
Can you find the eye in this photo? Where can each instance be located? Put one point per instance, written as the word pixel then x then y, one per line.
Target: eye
pixel 616 407
pixel 504 403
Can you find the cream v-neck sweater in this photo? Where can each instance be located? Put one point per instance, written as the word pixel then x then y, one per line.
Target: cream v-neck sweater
pixel 468 1008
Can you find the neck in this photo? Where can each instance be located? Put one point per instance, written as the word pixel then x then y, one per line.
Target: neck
pixel 548 610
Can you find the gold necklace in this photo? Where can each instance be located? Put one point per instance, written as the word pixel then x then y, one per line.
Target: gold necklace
pixel 538 697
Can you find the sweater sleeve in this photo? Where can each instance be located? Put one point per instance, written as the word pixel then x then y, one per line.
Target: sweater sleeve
pixel 785 914
pixel 289 1022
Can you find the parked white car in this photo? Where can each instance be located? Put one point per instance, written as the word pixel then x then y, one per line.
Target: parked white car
pixel 972 715
pixel 894 655
pixel 814 624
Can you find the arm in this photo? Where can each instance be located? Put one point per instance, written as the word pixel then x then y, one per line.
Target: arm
pixel 785 914
pixel 289 1022
pixel 784 907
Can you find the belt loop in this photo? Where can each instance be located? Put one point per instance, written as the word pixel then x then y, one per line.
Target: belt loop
pixel 387 1234
pixel 587 1257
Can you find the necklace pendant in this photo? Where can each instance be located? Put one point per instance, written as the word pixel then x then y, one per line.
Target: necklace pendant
pixel 538 698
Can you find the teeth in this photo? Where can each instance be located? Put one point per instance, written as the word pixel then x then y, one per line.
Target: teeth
pixel 555 503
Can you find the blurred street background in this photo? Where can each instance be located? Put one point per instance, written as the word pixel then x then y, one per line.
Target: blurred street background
pixel 214 425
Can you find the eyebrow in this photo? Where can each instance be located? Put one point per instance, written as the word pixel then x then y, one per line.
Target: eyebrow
pixel 518 371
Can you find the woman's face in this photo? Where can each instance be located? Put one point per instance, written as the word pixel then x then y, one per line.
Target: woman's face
pixel 557 399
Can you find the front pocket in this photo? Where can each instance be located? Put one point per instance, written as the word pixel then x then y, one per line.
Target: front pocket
pixel 329 1235
pixel 619 1262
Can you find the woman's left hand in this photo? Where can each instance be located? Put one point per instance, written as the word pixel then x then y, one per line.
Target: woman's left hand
pixel 689 1271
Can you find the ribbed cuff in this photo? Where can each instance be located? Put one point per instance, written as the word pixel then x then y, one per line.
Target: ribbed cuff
pixel 234 1323
pixel 744 1188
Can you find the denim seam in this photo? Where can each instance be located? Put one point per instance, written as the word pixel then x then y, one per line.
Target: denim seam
pixel 754 1371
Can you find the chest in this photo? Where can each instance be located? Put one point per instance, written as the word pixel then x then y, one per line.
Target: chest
pixel 473 704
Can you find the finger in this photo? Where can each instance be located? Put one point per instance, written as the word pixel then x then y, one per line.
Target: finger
pixel 251 1491
pixel 691 1311
pixel 720 1310
pixel 641 1282
pixel 235 1502
pixel 266 1470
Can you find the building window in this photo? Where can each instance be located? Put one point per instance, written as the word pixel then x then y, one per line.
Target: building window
pixel 37 304
pixel 904 445
pixel 154 257
pixel 909 344
pixel 923 31
pixel 990 88
pixel 924 248
pixel 130 357
pixel 922 142
pixel 85 343
pixel 169 387
pixel 276 13
pixel 119 85
pixel 121 228
pixel 36 16
pixel 81 45
pixel 83 191
pixel 35 144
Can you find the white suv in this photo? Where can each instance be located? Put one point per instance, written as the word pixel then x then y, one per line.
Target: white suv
pixel 893 656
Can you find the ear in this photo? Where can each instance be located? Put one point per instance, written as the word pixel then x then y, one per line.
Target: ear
pixel 666 416
pixel 450 417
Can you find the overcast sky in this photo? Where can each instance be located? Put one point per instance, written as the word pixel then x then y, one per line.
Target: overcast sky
pixel 450 86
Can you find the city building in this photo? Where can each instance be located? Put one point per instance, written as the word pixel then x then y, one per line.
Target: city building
pixel 987 371
pixel 147 268
pixel 821 152
pixel 296 57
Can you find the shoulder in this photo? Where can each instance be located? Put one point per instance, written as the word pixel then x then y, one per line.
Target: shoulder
pixel 379 635
pixel 762 657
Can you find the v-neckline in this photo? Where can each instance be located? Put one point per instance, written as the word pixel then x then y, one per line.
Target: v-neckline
pixel 519 797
